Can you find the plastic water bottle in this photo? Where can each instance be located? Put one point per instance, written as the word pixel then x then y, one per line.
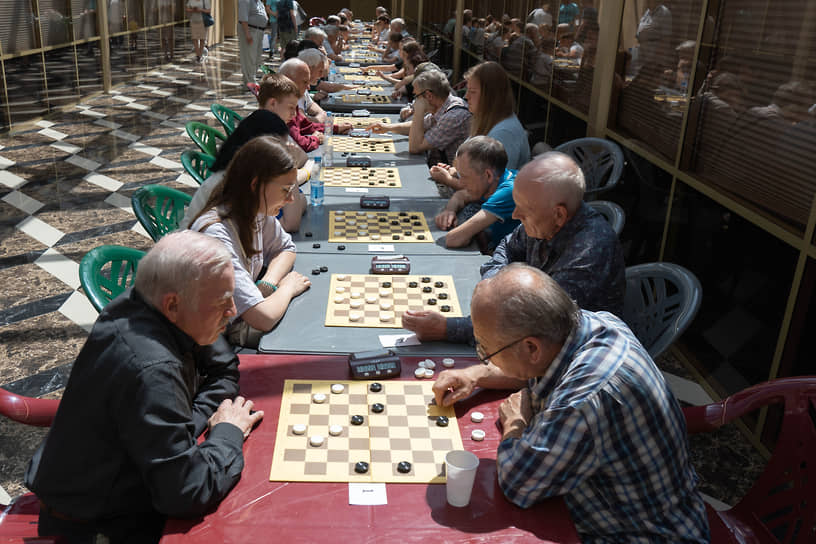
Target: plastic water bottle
pixel 332 72
pixel 316 184
pixel 328 126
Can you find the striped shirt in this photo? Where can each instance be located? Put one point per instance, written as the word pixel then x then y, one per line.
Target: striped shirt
pixel 608 435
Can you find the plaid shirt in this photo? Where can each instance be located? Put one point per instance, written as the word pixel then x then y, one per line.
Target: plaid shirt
pixel 448 127
pixel 608 434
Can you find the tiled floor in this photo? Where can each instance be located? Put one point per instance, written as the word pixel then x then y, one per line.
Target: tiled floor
pixel 65 188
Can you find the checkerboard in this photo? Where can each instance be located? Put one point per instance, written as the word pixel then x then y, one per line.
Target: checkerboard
pixel 365 99
pixel 405 430
pixel 380 226
pixel 369 300
pixel 362 145
pixel 360 177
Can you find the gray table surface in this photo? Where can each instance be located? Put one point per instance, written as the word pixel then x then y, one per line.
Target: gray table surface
pixel 303 330
pixel 316 222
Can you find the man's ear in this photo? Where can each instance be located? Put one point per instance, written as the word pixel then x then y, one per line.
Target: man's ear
pixel 270 104
pixel 561 215
pixel 171 306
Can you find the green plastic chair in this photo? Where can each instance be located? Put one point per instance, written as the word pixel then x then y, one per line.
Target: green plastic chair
pixel 228 118
pixel 197 164
pixel 106 271
pixel 159 209
pixel 205 137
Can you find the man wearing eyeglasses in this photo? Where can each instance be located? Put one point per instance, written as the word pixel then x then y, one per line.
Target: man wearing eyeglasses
pixel 441 121
pixel 593 420
pixel 559 234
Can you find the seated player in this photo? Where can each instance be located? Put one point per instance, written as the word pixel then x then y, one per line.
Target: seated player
pixel 123 453
pixel 483 208
pixel 441 121
pixel 277 99
pixel 380 30
pixel 316 62
pixel 390 53
pixel 559 234
pixel 333 43
pixel 308 134
pixel 592 419
pixel 259 181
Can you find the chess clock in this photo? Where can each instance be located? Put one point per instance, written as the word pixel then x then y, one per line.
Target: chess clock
pixel 360 113
pixel 364 92
pixel 358 161
pixel 359 133
pixel 390 264
pixel 378 202
pixel 378 363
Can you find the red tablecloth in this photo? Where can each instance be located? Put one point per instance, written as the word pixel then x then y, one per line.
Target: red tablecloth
pixel 258 510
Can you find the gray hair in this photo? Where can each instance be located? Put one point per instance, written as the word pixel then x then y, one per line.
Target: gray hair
pixel 331 30
pixel 314 31
pixel 332 20
pixel 434 81
pixel 312 57
pixel 528 302
pixel 290 66
pixel 177 264
pixel 484 152
pixel 399 22
pixel 562 174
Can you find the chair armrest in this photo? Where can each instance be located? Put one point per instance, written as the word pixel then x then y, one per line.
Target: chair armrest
pixel 28 410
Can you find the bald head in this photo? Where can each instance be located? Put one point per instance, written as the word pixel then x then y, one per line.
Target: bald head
pixel 298 71
pixel 526 302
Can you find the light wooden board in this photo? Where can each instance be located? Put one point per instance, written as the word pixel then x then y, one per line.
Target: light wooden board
pixel 362 145
pixel 361 177
pixel 378 227
pixel 378 304
pixel 405 431
pixel 365 99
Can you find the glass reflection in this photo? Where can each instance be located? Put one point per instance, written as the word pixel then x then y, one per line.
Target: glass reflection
pixel 56 23
pixel 17 32
pixel 61 76
pixel 25 84
pixel 755 131
pixel 651 85
pixel 746 274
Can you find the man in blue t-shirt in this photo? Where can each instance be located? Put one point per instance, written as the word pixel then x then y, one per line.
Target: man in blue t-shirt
pixel 483 208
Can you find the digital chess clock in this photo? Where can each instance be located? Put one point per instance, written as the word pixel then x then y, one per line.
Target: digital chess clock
pixel 378 202
pixel 390 264
pixel 378 363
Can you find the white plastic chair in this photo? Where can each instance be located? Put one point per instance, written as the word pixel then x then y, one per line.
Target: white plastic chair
pixel 660 303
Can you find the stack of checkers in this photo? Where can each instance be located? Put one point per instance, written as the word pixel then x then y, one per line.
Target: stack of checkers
pixel 360 177
pixel 378 226
pixel 368 300
pixel 363 432
pixel 362 145
pixel 359 98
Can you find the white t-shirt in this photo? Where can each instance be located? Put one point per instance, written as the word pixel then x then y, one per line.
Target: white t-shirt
pixel 197 16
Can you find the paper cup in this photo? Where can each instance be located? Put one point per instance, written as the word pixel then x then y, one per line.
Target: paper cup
pixel 460 467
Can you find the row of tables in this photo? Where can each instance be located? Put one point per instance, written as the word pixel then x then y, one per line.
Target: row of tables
pixel 303 347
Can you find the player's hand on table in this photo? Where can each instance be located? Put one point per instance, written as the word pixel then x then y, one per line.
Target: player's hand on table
pixel 406 112
pixel 238 413
pixel 515 413
pixel 294 283
pixel 445 220
pixel 428 326
pixel 320 95
pixel 319 136
pixel 440 173
pixel 378 128
pixel 452 386
pixel 343 128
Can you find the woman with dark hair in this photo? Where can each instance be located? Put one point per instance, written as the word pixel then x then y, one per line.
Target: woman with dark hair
pixel 259 181
pixel 490 100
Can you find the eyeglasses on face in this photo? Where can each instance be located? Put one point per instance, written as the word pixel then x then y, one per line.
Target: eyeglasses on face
pixel 485 359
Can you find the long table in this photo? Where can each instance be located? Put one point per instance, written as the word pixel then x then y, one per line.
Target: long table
pixel 258 510
pixel 303 329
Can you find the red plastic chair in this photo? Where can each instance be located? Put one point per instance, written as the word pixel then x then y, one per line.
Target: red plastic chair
pixel 28 410
pixel 781 506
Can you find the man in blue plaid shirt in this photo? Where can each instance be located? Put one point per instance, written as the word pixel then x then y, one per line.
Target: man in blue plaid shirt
pixel 593 420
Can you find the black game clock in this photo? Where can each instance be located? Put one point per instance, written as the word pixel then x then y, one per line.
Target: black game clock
pixel 378 202
pixel 390 264
pixel 374 364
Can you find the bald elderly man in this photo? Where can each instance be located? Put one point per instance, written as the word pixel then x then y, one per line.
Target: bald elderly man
pixel 559 234
pixel 123 452
pixel 592 419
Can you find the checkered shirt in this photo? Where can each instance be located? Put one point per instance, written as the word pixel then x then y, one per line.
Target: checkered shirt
pixel 609 436
pixel 448 127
